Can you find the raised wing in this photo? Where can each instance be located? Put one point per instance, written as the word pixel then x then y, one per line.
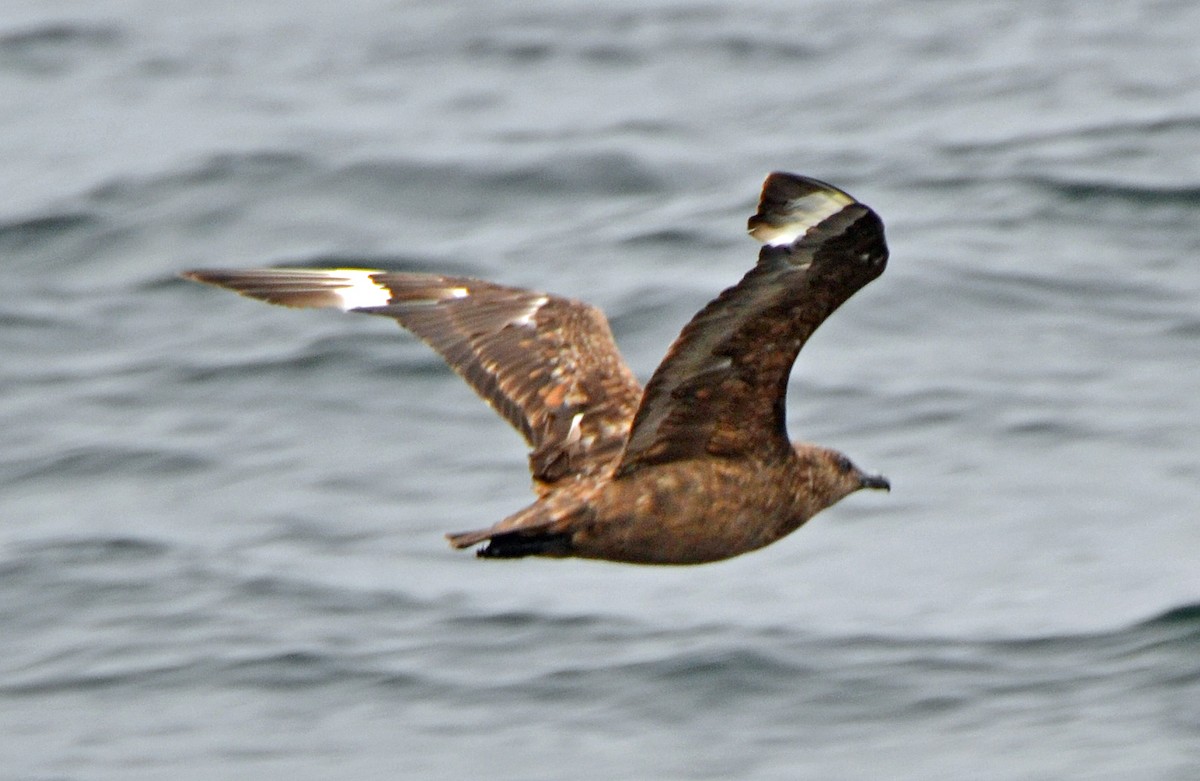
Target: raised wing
pixel 722 387
pixel 547 364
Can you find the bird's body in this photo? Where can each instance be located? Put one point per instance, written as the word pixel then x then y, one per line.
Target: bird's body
pixel 695 467
pixel 681 512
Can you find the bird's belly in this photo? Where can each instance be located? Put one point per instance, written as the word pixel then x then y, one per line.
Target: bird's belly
pixel 682 516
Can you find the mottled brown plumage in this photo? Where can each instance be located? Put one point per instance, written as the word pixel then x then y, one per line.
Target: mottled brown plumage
pixel 696 468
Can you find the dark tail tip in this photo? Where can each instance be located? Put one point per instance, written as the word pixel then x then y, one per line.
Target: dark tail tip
pixel 516 546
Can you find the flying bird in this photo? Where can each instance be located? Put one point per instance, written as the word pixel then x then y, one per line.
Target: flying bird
pixel 695 467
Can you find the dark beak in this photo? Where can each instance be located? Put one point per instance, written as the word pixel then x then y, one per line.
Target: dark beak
pixel 875 481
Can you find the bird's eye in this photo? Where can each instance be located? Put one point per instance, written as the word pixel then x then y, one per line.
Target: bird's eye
pixel 844 464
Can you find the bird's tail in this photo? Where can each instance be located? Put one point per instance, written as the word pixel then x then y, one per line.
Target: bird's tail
pixel 467 539
pixel 536 530
pixel 516 546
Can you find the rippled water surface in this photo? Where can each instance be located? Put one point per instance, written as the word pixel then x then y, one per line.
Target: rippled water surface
pixel 220 522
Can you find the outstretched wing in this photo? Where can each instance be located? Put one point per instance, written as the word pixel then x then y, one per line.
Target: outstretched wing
pixel 547 364
pixel 722 386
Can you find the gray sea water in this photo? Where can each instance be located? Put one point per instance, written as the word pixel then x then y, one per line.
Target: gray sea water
pixel 220 522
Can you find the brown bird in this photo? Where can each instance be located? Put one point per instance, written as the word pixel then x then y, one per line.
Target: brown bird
pixel 694 468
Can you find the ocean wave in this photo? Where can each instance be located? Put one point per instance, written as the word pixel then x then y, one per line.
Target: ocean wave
pixel 253 167
pixel 187 621
pixel 205 194
pixel 1111 129
pixel 1141 194
pixel 1187 616
pixel 100 459
pixel 55 47
pixel 43 240
pixel 1027 291
pixel 357 352
pixel 462 185
pixel 58 34
pixel 75 550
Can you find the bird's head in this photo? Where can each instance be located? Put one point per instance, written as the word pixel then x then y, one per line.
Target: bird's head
pixel 833 476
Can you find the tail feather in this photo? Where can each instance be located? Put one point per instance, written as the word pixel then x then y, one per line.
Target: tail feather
pixel 467 539
pixel 513 545
pixel 540 529
pixel 517 545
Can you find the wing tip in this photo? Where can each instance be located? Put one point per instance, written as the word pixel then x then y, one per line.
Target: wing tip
pixel 340 288
pixel 791 205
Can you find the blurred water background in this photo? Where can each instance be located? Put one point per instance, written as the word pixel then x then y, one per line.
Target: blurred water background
pixel 220 522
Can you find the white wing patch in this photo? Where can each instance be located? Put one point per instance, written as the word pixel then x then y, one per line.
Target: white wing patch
pixel 525 319
pixel 356 288
pixel 804 213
